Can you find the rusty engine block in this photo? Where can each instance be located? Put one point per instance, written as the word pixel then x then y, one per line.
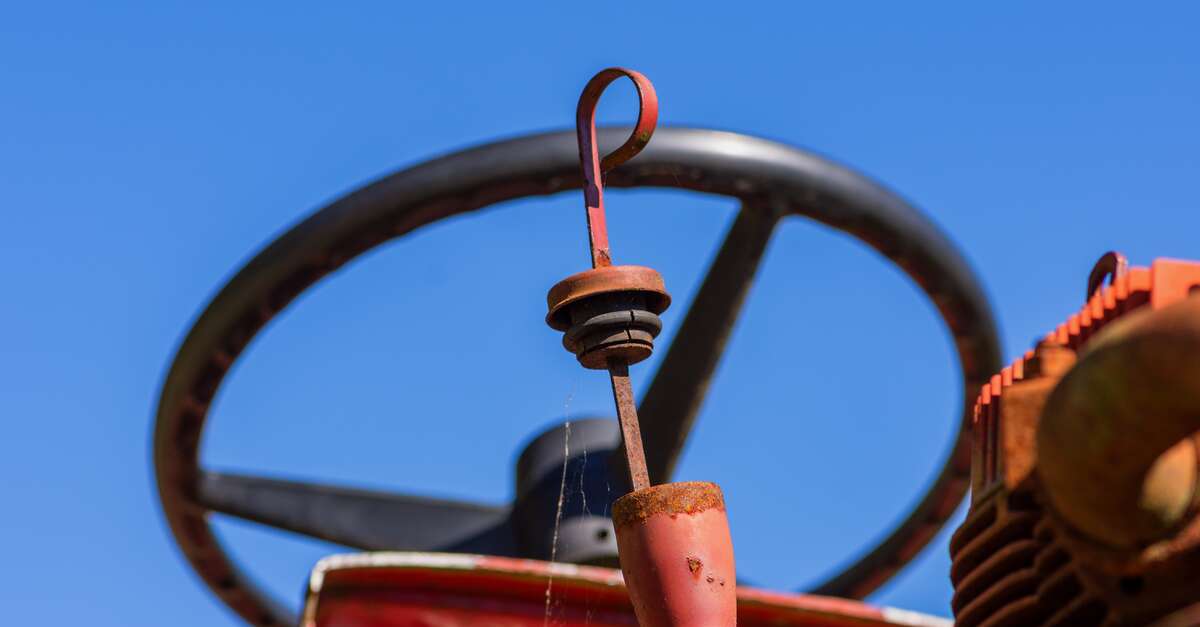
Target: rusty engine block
pixel 1084 465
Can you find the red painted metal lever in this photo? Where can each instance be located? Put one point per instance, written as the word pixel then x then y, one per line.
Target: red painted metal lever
pixel 593 196
pixel 673 539
pixel 593 167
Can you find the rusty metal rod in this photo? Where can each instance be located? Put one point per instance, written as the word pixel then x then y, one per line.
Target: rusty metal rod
pixel 593 169
pixel 631 432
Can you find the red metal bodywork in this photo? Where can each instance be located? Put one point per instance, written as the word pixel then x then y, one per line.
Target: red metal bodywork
pixel 450 590
pixel 1085 509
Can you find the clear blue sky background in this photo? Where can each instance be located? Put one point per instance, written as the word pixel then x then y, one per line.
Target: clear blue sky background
pixel 146 151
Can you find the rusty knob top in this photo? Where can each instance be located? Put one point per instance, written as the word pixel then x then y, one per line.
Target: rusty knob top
pixel 669 499
pixel 605 280
pixel 608 313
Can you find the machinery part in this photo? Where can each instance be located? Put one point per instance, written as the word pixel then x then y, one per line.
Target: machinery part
pixel 631 433
pixel 386 589
pixel 673 540
pixel 589 160
pixel 613 310
pixel 628 330
pixel 1069 448
pixel 677 555
pixel 771 179
pixel 1139 383
pixel 610 312
pixel 580 521
pixel 1117 437
pixel 359 518
pixel 1112 265
pixel 1008 569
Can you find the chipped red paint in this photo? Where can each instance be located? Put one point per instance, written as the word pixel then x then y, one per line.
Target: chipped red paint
pixel 677 555
pixel 444 590
pixel 589 159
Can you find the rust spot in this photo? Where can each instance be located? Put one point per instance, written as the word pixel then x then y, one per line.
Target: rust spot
pixel 694 564
pixel 691 497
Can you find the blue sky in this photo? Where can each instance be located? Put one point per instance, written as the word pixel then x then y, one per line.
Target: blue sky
pixel 148 150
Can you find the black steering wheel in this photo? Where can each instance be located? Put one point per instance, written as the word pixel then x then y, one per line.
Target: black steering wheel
pixel 771 179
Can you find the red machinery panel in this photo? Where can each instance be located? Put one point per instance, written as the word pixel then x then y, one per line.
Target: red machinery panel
pixel 448 590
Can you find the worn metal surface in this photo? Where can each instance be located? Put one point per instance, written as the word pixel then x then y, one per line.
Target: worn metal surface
pixel 1006 418
pixel 613 310
pixel 1117 455
pixel 569 525
pixel 1085 500
pixel 609 313
pixel 758 171
pixel 677 555
pixel 1008 569
pixel 592 166
pixel 631 435
pixel 422 589
pixel 673 539
pixel 604 281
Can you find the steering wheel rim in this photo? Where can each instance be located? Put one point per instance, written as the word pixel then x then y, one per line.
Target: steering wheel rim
pixel 761 172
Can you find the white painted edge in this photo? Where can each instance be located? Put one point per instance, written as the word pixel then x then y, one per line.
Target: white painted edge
pixel 458 561
pixel 916 619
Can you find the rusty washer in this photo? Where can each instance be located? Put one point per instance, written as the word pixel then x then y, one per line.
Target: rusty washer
pixel 610 312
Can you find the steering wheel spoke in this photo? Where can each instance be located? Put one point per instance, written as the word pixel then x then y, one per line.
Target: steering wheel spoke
pixel 676 393
pixel 361 519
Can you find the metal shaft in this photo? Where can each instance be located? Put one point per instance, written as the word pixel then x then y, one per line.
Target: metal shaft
pixel 631 433
pixel 593 169
pixel 589 158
